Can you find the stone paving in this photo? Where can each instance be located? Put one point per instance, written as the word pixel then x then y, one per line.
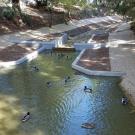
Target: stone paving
pixel 14 53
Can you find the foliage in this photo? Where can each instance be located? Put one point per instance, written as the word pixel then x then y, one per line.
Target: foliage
pixel 8 13
pixel 123 7
pixel 26 19
pixel 41 3
pixel 70 3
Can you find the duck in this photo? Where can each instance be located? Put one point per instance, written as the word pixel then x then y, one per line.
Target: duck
pixel 34 68
pixel 26 117
pixel 49 84
pixel 66 79
pixel 124 100
pixel 86 89
pixel 88 125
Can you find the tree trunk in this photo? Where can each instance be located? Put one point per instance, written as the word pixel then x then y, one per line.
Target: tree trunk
pixel 69 14
pixel 46 1
pixel 16 5
pixel 51 18
pixel 65 18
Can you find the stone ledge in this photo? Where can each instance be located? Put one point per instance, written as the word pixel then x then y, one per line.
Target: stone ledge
pixel 28 57
pixel 91 72
pixel 81 46
pixel 57 41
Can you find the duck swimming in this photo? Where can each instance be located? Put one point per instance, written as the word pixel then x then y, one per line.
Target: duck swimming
pixel 26 117
pixel 49 84
pixel 88 125
pixel 86 89
pixel 34 68
pixel 124 100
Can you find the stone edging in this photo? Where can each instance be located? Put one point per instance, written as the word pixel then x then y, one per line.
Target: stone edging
pixel 33 55
pixel 28 57
pixel 91 72
pixel 49 44
pixel 91 45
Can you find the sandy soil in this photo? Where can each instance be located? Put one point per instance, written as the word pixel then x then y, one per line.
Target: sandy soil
pixel 14 52
pixel 95 59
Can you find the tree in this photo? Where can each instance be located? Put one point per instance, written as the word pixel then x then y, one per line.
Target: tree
pixel 16 6
pixel 41 3
pixel 51 17
pixel 123 7
pixel 69 4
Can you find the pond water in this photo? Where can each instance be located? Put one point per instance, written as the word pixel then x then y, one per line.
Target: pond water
pixel 63 107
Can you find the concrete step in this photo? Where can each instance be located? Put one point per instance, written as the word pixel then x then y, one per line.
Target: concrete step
pixel 65 49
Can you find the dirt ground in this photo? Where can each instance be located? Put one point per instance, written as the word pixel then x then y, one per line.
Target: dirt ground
pixel 96 59
pixel 35 19
pixel 101 38
pixel 14 52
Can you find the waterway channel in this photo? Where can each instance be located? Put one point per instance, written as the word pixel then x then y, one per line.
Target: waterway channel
pixel 61 108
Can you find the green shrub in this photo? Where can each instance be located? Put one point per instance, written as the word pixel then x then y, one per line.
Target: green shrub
pixel 41 3
pixel 26 19
pixel 8 13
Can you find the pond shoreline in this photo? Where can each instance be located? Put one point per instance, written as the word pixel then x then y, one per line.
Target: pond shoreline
pixel 122 58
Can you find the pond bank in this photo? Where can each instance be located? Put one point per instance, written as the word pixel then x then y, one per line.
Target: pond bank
pixel 122 56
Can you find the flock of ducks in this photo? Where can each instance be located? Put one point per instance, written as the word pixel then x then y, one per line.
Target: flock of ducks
pixel 86 125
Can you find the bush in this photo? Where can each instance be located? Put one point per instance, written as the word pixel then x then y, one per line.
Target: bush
pixel 41 3
pixel 8 13
pixel 26 19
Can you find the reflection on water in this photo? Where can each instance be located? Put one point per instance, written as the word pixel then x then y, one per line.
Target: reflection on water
pixel 63 107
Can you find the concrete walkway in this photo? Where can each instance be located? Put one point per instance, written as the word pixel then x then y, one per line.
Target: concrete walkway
pixel 122 54
pixel 21 37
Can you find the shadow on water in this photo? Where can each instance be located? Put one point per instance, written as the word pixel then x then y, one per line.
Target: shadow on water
pixel 63 107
